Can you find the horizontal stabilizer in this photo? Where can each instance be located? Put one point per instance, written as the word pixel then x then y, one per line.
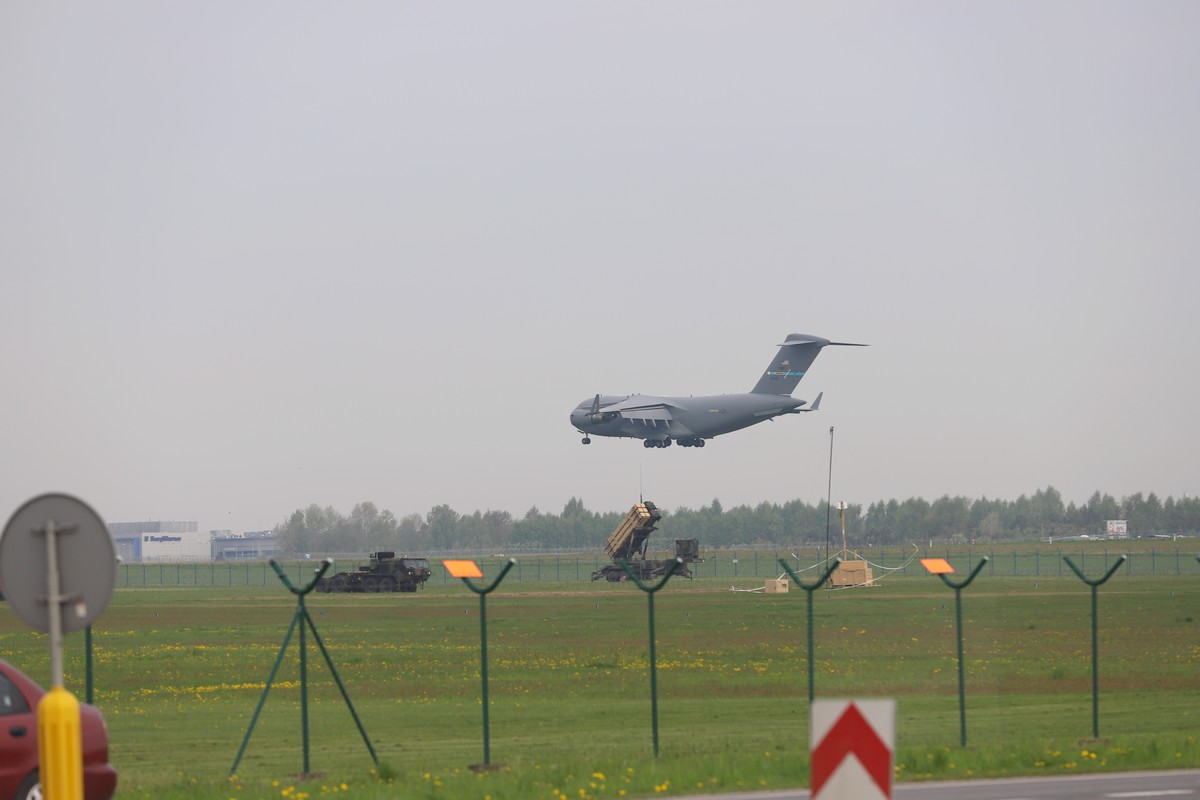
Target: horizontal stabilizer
pixel 814 407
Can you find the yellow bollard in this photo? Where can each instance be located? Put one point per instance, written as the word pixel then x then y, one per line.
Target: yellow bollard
pixel 60 745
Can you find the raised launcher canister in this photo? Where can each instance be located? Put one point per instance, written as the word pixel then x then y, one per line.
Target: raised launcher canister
pixel 629 541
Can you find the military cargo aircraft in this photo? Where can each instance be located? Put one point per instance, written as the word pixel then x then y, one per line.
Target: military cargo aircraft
pixel 659 421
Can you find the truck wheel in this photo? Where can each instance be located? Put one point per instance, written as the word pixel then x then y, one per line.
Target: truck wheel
pixel 386 584
pixel 371 584
pixel 323 585
pixel 338 584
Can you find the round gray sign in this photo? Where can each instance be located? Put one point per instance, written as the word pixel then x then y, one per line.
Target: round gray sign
pixel 87 561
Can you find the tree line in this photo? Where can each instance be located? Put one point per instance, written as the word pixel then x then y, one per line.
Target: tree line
pixel 947 519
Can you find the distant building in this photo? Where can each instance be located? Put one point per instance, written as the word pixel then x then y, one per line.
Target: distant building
pixel 249 546
pixel 176 542
pixel 159 541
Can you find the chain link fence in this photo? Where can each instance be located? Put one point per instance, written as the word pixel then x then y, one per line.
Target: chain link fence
pixel 1014 561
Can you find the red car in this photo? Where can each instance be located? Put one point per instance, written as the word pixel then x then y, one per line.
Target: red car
pixel 19 743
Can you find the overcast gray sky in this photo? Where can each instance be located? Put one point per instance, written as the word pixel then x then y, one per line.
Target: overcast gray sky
pixel 259 255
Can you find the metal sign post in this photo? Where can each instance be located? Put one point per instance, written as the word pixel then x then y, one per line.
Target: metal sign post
pixel 302 618
pixel 467 570
pixel 650 590
pixel 58 588
pixel 941 567
pixel 1095 584
pixel 809 588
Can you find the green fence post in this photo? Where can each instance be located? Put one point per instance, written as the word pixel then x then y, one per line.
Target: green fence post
pixel 650 590
pixel 962 696
pixel 87 645
pixel 809 589
pixel 1095 584
pixel 483 659
pixel 301 618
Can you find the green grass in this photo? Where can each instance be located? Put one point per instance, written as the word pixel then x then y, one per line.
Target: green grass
pixel 179 672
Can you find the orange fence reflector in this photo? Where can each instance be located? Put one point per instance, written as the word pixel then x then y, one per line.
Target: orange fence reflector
pixel 936 566
pixel 462 569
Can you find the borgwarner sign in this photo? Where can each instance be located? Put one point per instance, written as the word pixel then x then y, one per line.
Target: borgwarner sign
pixel 189 546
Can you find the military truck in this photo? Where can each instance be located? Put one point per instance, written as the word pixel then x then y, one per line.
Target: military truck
pixel 383 572
pixel 629 542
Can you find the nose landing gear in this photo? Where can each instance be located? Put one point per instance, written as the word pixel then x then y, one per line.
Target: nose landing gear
pixel 587 440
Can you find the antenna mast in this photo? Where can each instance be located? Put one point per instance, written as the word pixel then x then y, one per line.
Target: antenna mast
pixel 829 495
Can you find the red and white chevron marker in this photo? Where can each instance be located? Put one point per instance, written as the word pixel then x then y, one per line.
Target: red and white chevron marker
pixel 853 744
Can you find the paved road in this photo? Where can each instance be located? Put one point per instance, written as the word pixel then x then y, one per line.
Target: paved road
pixel 1181 784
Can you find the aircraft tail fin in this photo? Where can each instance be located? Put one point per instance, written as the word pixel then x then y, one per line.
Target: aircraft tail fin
pixel 795 356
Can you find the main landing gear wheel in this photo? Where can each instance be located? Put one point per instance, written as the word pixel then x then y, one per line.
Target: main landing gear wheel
pixel 656 443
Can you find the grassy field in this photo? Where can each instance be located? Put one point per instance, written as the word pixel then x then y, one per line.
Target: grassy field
pixel 179 671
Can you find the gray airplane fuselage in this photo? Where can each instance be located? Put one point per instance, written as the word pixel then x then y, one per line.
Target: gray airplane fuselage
pixel 699 417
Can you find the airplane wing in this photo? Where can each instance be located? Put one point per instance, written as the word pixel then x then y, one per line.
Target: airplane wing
pixel 654 413
pixel 635 402
pixel 642 408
